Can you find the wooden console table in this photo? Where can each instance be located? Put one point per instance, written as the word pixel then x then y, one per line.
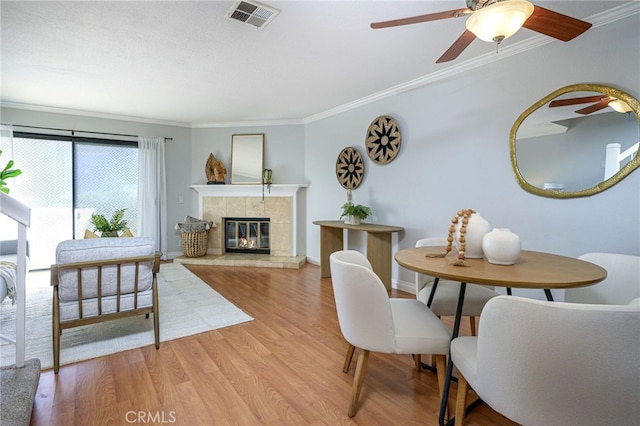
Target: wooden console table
pixel 378 245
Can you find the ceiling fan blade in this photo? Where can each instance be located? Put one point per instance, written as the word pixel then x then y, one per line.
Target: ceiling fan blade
pixel 595 107
pixel 576 101
pixel 422 18
pixel 555 24
pixel 457 47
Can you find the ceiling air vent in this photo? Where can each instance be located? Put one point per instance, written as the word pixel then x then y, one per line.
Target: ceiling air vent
pixel 252 13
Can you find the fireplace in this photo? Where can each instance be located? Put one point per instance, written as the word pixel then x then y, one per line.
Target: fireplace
pixel 247 235
pixel 284 205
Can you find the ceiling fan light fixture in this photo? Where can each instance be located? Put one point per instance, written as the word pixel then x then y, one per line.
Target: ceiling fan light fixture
pixel 499 20
pixel 619 106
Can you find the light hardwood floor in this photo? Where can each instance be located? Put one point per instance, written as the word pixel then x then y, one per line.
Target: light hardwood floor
pixel 283 368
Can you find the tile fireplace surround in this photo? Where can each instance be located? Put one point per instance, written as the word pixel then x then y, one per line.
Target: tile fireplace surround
pixel 282 205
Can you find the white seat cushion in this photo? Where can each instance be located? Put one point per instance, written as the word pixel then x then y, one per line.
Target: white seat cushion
pixel 69 310
pixel 417 329
pixel 72 251
pixel 464 354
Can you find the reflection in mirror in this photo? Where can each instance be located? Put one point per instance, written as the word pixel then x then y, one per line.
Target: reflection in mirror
pixel 247 156
pixel 577 141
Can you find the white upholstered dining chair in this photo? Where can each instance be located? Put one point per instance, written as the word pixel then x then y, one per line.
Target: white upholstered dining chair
pixel 621 285
pixel 553 363
pixel 445 300
pixel 371 321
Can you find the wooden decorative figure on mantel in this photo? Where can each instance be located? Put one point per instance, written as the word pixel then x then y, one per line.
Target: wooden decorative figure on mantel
pixel 215 170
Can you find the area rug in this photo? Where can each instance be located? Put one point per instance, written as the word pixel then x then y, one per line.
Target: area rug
pixel 187 305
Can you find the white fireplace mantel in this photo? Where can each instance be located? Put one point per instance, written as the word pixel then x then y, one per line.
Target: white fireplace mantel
pixel 276 190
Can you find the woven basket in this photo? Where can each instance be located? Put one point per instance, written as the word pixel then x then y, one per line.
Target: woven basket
pixel 194 244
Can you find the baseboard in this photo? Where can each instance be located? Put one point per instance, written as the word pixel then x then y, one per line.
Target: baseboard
pixel 408 287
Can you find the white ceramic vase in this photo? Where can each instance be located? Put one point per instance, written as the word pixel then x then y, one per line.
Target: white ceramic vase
pixel 501 246
pixel 477 227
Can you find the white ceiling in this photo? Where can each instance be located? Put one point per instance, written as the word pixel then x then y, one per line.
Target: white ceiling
pixel 183 62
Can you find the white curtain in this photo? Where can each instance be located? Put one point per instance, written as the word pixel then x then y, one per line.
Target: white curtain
pixel 152 192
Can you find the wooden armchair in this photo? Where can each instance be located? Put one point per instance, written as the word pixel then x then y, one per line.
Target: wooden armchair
pixel 103 279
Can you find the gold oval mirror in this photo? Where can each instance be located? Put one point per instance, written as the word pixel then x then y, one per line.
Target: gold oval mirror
pixel 577 141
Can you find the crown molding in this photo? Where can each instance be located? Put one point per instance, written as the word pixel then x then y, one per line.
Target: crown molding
pixel 57 110
pixel 261 123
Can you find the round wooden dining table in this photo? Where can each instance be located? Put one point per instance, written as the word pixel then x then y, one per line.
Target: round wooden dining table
pixel 534 270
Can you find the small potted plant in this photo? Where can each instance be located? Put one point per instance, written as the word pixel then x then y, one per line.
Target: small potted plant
pixel 355 213
pixel 109 228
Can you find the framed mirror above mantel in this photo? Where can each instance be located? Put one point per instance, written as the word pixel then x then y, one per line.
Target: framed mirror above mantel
pixel 577 141
pixel 247 159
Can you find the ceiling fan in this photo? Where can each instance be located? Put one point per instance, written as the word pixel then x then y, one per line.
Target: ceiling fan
pixel 496 20
pixel 598 102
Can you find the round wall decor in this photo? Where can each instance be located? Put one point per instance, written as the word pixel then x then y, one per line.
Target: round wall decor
pixel 349 168
pixel 383 139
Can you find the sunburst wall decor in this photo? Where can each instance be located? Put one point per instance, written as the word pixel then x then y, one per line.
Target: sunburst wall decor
pixel 349 168
pixel 383 139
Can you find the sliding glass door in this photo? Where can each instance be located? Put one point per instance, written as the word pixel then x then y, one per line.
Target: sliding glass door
pixel 66 180
pixel 105 180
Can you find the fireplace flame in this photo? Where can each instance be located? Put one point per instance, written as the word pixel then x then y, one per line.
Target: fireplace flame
pixel 247 244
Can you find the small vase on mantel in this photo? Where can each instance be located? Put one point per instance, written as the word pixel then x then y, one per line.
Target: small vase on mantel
pixel 477 227
pixel 501 246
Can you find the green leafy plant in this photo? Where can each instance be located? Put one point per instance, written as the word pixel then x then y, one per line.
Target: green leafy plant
pixel 359 211
pixel 7 173
pixel 109 227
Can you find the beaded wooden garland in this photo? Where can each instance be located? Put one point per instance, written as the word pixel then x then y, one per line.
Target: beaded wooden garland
pixel 461 216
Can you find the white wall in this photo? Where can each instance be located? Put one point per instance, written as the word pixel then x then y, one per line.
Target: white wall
pixel 284 150
pixel 455 153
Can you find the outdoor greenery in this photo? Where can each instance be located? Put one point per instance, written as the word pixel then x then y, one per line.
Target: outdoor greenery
pixel 109 227
pixel 7 173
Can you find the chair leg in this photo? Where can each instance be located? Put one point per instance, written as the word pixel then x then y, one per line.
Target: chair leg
pixel 417 360
pixel 440 362
pixel 156 329
pixel 156 313
pixel 358 379
pixel 56 330
pixel 348 358
pixel 461 399
pixel 472 324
